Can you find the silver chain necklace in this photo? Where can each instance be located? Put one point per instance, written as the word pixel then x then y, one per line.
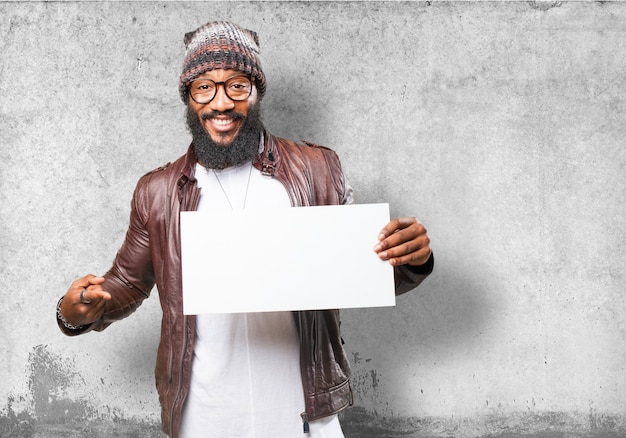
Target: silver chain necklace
pixel 245 199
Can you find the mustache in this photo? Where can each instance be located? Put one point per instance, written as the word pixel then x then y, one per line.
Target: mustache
pixel 232 114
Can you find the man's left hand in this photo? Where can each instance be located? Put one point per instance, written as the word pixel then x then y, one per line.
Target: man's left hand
pixel 404 241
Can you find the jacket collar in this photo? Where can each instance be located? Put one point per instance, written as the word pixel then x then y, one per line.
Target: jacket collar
pixel 268 158
pixel 188 170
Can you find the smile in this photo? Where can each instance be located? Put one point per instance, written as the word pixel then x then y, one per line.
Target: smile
pixel 221 122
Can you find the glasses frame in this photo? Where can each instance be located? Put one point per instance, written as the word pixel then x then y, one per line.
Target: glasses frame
pixel 223 84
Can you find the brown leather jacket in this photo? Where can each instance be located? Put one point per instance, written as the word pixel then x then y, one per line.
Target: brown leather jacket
pixel 150 254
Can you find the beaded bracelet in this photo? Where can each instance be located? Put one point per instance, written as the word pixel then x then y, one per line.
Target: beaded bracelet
pixel 61 318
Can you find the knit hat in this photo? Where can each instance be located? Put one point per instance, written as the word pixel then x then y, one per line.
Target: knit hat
pixel 225 45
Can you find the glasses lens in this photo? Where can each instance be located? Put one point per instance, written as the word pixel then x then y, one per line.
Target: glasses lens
pixel 237 88
pixel 202 90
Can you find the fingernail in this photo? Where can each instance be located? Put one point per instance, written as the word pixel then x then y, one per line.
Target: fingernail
pixel 378 247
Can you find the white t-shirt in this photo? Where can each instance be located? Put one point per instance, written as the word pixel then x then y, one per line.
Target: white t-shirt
pixel 246 379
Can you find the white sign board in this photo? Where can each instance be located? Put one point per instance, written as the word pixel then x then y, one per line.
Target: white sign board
pixel 304 258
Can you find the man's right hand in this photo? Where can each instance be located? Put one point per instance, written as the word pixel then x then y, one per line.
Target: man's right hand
pixel 90 309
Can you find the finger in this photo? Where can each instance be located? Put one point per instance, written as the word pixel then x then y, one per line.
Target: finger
pixel 90 294
pixel 396 224
pixel 415 258
pixel 411 245
pixel 86 281
pixel 394 233
pixel 93 296
pixel 403 247
pixel 402 237
pixel 413 231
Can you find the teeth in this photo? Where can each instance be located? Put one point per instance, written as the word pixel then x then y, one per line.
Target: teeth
pixel 222 122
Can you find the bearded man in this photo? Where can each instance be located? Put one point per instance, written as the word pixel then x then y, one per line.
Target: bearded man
pixel 270 374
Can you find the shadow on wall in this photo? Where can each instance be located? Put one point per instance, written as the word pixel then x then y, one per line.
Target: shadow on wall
pixel 442 317
pixel 428 325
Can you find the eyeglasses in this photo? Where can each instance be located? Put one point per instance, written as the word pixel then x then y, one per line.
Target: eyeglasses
pixel 236 88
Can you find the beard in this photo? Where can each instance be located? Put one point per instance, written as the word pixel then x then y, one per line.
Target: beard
pixel 243 148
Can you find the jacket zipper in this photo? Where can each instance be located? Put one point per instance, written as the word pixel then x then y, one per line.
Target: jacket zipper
pixel 305 422
pixel 171 353
pixel 316 334
pixel 315 331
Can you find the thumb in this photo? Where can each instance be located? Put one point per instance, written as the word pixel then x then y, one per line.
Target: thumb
pixel 91 295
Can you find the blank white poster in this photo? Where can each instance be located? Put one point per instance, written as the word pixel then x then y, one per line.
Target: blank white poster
pixel 303 258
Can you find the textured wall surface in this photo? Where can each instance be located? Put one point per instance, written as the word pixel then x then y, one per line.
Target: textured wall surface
pixel 500 125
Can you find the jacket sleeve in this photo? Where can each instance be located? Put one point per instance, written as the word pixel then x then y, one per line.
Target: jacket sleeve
pixel 131 277
pixel 409 277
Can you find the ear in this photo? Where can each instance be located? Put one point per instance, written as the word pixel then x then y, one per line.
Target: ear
pixel 188 37
pixel 255 37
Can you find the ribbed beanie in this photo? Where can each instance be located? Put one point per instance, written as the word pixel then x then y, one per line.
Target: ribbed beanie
pixel 221 44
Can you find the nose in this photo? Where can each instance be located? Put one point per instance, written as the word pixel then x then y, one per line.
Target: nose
pixel 221 101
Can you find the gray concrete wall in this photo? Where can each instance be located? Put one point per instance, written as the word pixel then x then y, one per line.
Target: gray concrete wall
pixel 500 125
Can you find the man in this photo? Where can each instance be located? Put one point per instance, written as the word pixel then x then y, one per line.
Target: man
pixel 274 374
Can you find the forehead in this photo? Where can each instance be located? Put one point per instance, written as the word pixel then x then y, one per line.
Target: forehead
pixel 220 74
